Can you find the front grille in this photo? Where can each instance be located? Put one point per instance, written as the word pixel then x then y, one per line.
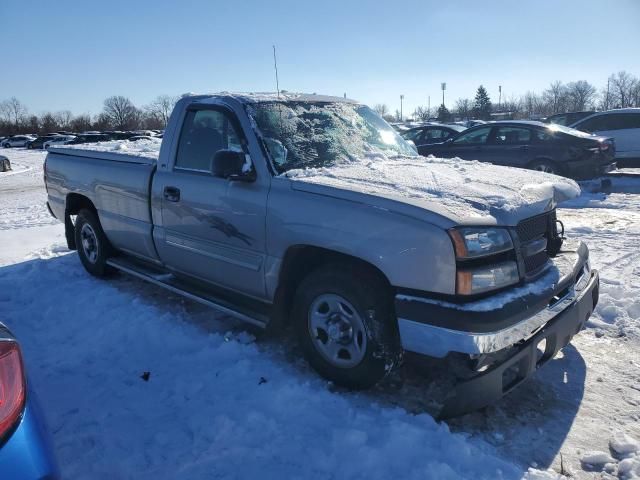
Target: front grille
pixel 534 227
pixel 532 230
pixel 535 261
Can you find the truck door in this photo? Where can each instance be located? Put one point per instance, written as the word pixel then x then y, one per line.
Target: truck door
pixel 212 228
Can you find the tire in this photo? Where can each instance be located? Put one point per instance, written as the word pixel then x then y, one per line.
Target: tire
pixel 344 322
pixel 93 246
pixel 546 166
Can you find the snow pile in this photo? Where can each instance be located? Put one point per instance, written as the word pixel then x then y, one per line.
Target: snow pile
pixel 22 195
pixel 213 405
pixel 627 457
pixel 610 225
pixel 465 189
pixel 534 474
pixel 140 148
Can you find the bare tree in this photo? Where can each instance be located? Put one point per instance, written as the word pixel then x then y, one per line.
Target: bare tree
pixel 514 105
pixel 121 113
pixel 48 123
pixel 422 113
pixel 635 95
pixel 556 97
pixel 622 87
pixel 463 108
pixel 581 95
pixel 381 109
pixel 532 104
pixel 63 119
pixel 81 123
pixel 14 112
pixel 160 109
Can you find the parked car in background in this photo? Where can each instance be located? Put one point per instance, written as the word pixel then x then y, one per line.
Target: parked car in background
pixel 568 118
pixel 16 141
pixel 5 164
pixel 429 134
pixel 90 138
pixel 26 451
pixel 40 141
pixel 59 140
pixel 623 125
pixel 534 145
pixel 135 138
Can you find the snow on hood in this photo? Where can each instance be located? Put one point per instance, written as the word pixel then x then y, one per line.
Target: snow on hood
pixel 462 191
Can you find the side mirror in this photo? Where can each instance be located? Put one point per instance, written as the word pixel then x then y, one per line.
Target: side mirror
pixel 232 165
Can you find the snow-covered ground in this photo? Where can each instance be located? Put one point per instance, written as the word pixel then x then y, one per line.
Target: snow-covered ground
pixel 220 404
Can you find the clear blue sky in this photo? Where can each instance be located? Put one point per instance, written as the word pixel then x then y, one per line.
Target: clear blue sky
pixel 72 54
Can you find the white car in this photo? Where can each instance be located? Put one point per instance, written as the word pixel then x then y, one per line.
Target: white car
pixel 622 124
pixel 59 140
pixel 16 141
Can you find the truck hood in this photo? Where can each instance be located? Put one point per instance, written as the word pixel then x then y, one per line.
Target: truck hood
pixel 446 192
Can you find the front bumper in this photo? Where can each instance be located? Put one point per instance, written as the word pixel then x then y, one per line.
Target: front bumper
pixel 498 380
pixel 510 332
pixel 436 328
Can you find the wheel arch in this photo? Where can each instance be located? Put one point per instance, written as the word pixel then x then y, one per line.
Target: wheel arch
pixel 73 204
pixel 299 261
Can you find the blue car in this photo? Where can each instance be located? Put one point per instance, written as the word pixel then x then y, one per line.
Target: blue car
pixel 26 451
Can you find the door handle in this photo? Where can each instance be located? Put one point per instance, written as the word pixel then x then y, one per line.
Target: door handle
pixel 172 194
pixel 524 147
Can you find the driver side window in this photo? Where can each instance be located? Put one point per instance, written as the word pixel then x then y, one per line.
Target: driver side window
pixel 474 137
pixel 204 133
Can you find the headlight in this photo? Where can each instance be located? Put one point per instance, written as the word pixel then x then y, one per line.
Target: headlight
pixel 474 242
pixel 484 279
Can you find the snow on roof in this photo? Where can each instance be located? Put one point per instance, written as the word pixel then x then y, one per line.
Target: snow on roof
pixel 283 96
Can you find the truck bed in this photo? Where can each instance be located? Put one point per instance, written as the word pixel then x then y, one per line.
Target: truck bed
pixel 141 151
pixel 116 177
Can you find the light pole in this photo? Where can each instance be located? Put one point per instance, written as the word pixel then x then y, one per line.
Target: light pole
pixel 401 99
pixel 443 85
pixel 499 96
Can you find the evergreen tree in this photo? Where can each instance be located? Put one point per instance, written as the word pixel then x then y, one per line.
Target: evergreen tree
pixel 482 106
pixel 443 114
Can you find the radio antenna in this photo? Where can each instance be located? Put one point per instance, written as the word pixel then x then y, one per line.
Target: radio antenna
pixel 275 66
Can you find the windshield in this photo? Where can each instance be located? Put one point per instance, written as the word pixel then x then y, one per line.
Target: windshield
pixel 318 134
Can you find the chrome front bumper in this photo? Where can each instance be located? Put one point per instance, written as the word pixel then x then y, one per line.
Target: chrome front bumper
pixel 425 338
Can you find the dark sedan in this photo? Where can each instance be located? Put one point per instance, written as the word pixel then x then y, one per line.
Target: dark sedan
pixel 534 145
pixel 39 142
pixel 428 134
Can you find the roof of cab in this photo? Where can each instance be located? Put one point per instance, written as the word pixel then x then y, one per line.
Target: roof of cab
pixel 261 97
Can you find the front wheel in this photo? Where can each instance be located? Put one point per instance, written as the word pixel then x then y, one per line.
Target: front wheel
pixel 343 318
pixel 93 246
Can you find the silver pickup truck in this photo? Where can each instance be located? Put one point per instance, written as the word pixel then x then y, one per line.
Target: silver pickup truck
pixel 310 211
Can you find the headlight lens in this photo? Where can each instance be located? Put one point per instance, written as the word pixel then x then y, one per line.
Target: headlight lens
pixel 484 279
pixel 473 242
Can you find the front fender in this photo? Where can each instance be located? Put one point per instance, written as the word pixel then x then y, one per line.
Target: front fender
pixel 411 253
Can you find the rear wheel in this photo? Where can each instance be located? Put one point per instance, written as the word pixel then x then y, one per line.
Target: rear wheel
pixel 344 323
pixel 93 246
pixel 546 166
